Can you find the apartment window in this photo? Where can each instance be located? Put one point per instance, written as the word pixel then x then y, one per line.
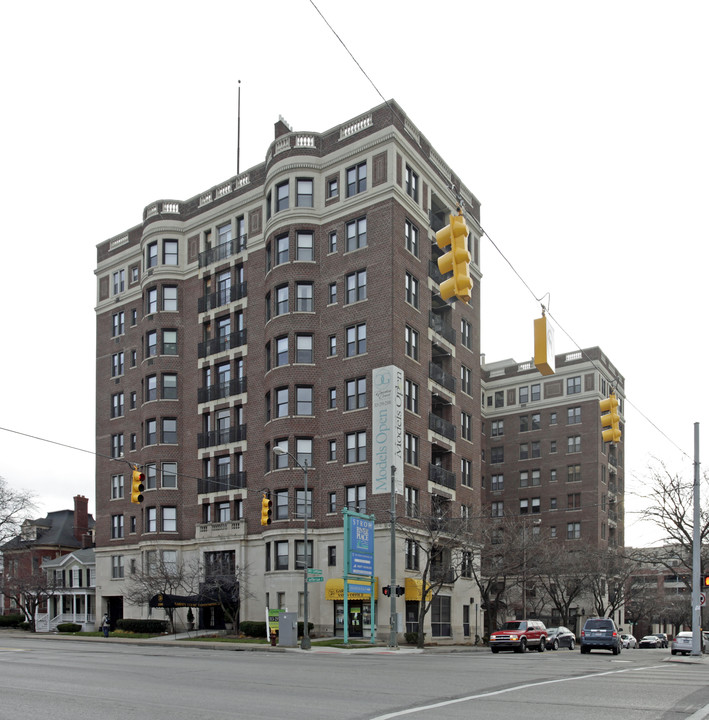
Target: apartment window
pixel 332 345
pixel 304 192
pixel 499 398
pixel 573 444
pixel 411 396
pixel 536 392
pixel 282 250
pixel 300 559
pixel 169 386
pixel 281 504
pixel 497 428
pixel 524 395
pixel 552 503
pixel 281 351
pixel 151 388
pixel 223 511
pixel 552 475
pixel 304 349
pixel 117 405
pixel 331 555
pixel 356 393
pixel 304 246
pixel 355 286
pixel 573 385
pixel 332 453
pixel 466 337
pixel 118 324
pixel 356 444
pixel 524 478
pixel 116 487
pixel 169 252
pixel 411 233
pixel 412 184
pixel 411 499
pixel 281 300
pixel 151 343
pixel 332 294
pixel 332 242
pixel 169 342
pixel 524 451
pixel 536 509
pixel 281 196
pixel 356 234
pixel 304 400
pixel 332 190
pixel 151 475
pixel 552 418
pixel 411 449
pixel 281 406
pixel 497 455
pixel 151 431
pixel 536 421
pixel 536 450
pixel 304 297
pixel 169 431
pixel 497 483
pixel 411 340
pixel 573 530
pixel 573 473
pixel 573 415
pixel 356 179
pixel 497 509
pixel 466 380
pixel 300 504
pixel 412 290
pixel 332 398
pixel 357 498
pixel 268 306
pixel 116 567
pixel 412 555
pixel 281 547
pixel 151 255
pixel 573 501
pixel 133 317
pixel 524 506
pixel 169 298
pixel 169 475
pixel 117 445
pixel 356 340
pixel 116 527
pixel 536 477
pixel 523 423
pixel 169 519
pixel 119 281
pixel 466 472
pixel 151 302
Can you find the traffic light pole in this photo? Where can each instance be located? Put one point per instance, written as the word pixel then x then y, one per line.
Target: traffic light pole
pixel 697 639
pixel 393 644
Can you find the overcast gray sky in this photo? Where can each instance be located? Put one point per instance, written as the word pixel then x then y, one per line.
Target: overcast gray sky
pixel 582 127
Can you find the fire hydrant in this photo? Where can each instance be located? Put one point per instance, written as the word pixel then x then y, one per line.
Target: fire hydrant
pixel 273 638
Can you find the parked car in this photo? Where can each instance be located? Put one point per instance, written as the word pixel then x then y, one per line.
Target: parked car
pixel 628 641
pixel 600 633
pixel 650 641
pixel 682 644
pixel 558 637
pixel 518 635
pixel 664 642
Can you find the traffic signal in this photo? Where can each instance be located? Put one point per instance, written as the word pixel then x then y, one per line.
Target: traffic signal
pixel 137 486
pixel 705 581
pixel 456 260
pixel 266 505
pixel 387 590
pixel 399 590
pixel 610 420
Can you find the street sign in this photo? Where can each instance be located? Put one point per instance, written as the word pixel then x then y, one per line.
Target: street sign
pixel 314 571
pixel 702 599
pixel 315 578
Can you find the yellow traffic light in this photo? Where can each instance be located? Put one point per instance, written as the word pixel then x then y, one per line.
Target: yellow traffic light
pixel 610 420
pixel 706 581
pixel 456 260
pixel 137 486
pixel 266 505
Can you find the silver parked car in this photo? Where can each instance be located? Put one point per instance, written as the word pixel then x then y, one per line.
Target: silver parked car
pixel 682 644
pixel 628 641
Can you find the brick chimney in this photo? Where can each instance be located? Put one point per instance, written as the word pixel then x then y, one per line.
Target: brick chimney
pixel 81 517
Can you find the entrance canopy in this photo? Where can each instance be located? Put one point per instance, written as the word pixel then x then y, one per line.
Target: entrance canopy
pixel 335 589
pixel 176 601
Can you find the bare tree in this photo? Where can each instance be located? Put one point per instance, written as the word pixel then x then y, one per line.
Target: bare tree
pixel 609 573
pixel 563 575
pixel 30 591
pixel 15 507
pixel 445 552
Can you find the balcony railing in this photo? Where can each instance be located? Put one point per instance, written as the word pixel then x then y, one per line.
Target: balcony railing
pixel 221 297
pixel 434 273
pixel 222 251
pixel 233 481
pixel 441 476
pixel 232 434
pixel 236 386
pixel 441 426
pixel 442 574
pixel 437 373
pixel 229 528
pixel 436 323
pixel 219 344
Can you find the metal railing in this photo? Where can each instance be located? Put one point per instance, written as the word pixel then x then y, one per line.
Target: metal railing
pixel 441 476
pixel 219 344
pixel 221 297
pixel 441 426
pixel 235 433
pixel 222 251
pixel 439 375
pixel 236 386
pixel 232 481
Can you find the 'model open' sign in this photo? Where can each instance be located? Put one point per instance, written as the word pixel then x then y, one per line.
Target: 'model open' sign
pixel 387 428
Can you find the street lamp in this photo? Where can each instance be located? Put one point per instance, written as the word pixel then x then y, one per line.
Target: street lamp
pixel 305 642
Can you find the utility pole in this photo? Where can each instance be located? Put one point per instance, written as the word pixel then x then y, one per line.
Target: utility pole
pixel 697 640
pixel 393 643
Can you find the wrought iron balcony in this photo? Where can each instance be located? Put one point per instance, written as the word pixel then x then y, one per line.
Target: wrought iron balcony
pixel 441 426
pixel 212 438
pixel 437 324
pixel 441 476
pixel 437 373
pixel 222 483
pixel 222 251
pixel 221 297
pixel 236 386
pixel 219 344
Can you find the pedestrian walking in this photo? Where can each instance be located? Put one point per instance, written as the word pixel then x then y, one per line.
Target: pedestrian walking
pixel 105 625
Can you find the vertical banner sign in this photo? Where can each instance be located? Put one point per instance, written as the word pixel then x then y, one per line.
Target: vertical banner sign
pixel 387 428
pixel 361 549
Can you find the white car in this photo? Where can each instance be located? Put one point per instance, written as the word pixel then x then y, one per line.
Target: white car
pixel 628 641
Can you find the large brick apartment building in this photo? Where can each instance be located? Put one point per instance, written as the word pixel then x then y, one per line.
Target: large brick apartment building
pixel 252 316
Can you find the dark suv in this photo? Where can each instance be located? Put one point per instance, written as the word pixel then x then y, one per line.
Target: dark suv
pixel 600 633
pixel 518 635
